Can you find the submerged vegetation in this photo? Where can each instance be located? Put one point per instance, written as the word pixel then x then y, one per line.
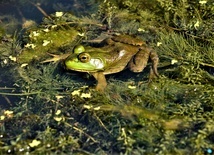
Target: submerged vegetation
pixel 54 111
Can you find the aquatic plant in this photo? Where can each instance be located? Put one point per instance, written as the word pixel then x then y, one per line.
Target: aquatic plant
pixel 186 59
pixel 191 18
pixel 58 32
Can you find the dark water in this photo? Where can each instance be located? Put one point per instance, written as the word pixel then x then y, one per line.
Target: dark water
pixel 12 15
pixel 28 10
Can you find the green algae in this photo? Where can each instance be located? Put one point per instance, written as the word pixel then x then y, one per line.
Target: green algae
pixel 58 33
pixel 42 42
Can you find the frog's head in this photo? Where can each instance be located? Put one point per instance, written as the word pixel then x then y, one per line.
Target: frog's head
pixel 82 61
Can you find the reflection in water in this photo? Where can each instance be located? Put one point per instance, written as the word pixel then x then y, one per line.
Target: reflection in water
pixel 36 11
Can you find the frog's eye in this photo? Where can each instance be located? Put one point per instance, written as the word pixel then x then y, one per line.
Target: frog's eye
pixel 84 57
pixel 79 49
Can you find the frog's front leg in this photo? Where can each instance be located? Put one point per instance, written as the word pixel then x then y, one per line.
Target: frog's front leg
pixel 101 81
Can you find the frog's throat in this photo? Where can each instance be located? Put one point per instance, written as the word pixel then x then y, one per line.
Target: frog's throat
pixel 97 63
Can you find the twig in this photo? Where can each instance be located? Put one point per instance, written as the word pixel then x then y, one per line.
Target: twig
pixel 40 9
pixel 7 99
pixel 81 131
pixel 101 123
pixel 19 94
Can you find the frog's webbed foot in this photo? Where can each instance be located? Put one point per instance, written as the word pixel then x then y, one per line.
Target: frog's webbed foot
pixel 55 58
pixel 155 60
pixel 100 41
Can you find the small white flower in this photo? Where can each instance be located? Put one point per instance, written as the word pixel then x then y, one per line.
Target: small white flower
pixel 45 42
pixel 174 61
pixel 58 119
pixel 97 108
pixel 8 112
pixel 54 26
pixel 159 43
pixel 202 2
pixel 23 65
pixel 35 34
pixel 12 58
pixel 30 46
pixel 5 61
pixel 87 106
pixel 34 143
pixel 2 118
pixel 46 30
pixel 59 14
pixel 75 92
pixel 58 112
pixel 81 34
pixel 58 97
pixel 131 87
pixel 85 95
pixel 140 30
pixel 196 25
pixel 27 45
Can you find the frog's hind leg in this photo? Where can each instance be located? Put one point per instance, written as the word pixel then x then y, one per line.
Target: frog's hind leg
pixel 139 60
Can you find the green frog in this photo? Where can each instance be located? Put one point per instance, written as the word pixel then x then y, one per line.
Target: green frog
pixel 116 54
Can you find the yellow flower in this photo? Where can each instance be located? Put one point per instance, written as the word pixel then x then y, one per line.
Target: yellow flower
pixel 8 113
pixel 88 106
pixel 58 97
pixel 23 65
pixel 81 34
pixel 54 26
pixel 97 108
pixel 140 30
pixel 34 143
pixel 196 25
pixel 58 112
pixel 12 58
pixel 45 42
pixel 174 61
pixel 46 30
pixel 58 119
pixel 35 34
pixel 202 2
pixel 131 87
pixel 58 14
pixel 159 43
pixel 30 46
pixel 75 92
pixel 2 118
pixel 85 95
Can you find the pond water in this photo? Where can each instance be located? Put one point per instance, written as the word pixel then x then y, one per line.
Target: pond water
pixel 13 14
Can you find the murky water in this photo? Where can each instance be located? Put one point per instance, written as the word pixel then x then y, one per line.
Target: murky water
pixel 13 15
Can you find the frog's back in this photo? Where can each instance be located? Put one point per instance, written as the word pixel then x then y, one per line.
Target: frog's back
pixel 128 40
pixel 118 60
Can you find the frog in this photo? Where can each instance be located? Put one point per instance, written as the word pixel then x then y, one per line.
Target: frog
pixel 115 54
